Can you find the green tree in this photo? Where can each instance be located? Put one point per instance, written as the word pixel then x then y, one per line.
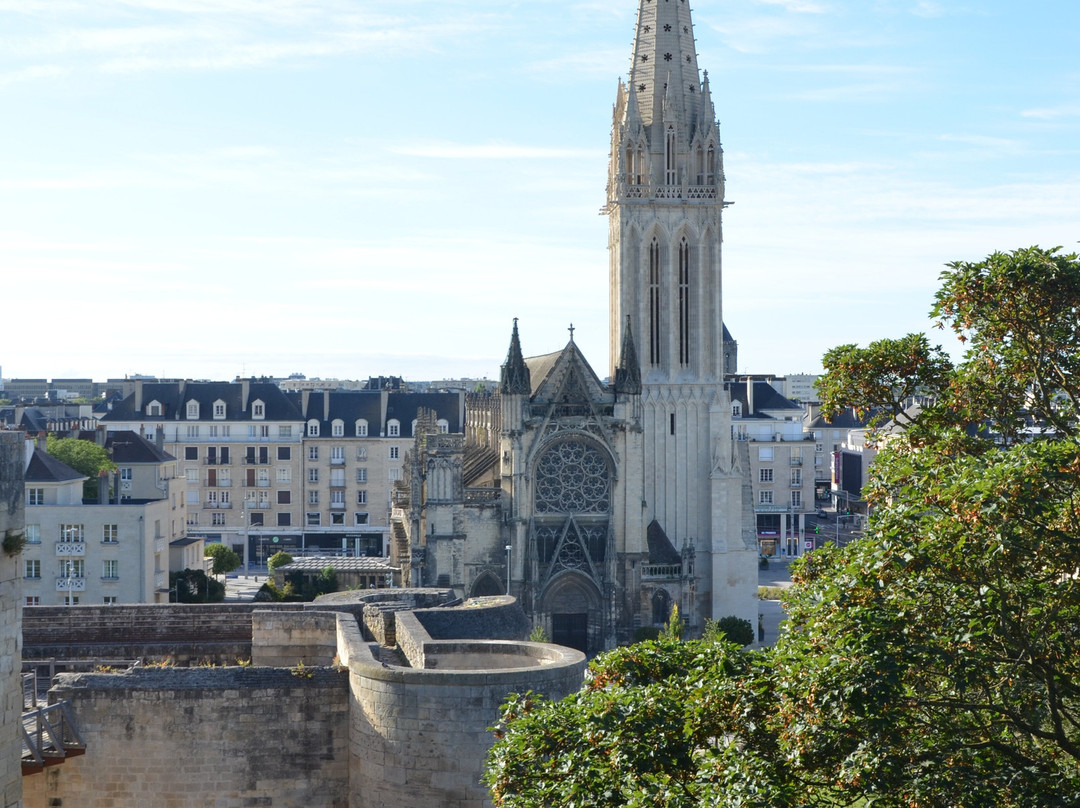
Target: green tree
pixel 85 456
pixel 223 559
pixel 278 559
pixel 734 629
pixel 195 586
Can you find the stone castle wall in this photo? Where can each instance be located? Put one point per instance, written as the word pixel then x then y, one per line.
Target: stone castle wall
pixel 228 737
pixel 12 500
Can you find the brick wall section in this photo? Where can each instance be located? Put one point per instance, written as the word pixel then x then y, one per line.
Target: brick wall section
pixel 12 498
pixel 227 737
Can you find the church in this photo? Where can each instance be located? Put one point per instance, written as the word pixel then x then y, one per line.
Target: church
pixel 601 505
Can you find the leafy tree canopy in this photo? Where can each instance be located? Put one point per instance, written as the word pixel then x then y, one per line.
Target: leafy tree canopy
pixel 278 559
pixel 935 662
pixel 85 456
pixel 223 559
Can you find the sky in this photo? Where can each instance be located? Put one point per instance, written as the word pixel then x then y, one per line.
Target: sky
pixel 348 188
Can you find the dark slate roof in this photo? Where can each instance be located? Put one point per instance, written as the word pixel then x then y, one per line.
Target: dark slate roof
pixel 845 420
pixel 661 550
pixel 174 396
pixel 352 405
pixel 126 446
pixel 765 397
pixel 44 468
pixel 541 367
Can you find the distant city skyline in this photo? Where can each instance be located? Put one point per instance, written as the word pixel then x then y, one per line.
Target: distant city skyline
pixel 219 189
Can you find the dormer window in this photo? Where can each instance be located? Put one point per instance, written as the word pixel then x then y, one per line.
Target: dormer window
pixel 193 410
pixel 313 428
pixel 361 428
pixel 337 428
pixel 393 428
pixel 444 426
pixel 153 409
pixel 258 409
pixel 219 410
pixel 736 409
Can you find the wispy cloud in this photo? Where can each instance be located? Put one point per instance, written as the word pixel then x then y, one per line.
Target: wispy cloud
pixel 796 6
pixel 489 151
pixel 1052 113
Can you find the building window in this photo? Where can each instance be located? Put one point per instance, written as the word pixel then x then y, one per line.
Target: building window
pixel 819 448
pixel 284 497
pixel 258 410
pixel 361 428
pixel 337 499
pixel 337 455
pixel 796 499
pixel 213 431
pixel 337 518
pixel 313 475
pixel 313 453
pixel 313 497
pixel 361 475
pixel 314 519
pixel 393 452
pixel 444 426
pixel 125 475
pixel 360 518
pixel 193 410
pixel 654 303
pixel 153 408
pixel 736 409
pixel 251 430
pixel 71 600
pixel 110 570
pixel 395 475
pixel 313 428
pixel 71 533
pixel 33 534
pixel 284 453
pixel 264 430
pixel 393 428
pixel 796 476
pixel 765 475
pixel 35 496
pixel 284 475
pixel 361 453
pixel 225 430
pixel 284 520
pixel 193 519
pixel 219 410
pixel 217 519
pixel 257 519
pixel 337 478
pixel 337 428
pixel 33 600
pixel 764 453
pixel 191 475
pixel 31 568
pixel 72 568
pixel 361 497
pixel 284 431
pixel 192 497
pixel 191 453
pixel 262 477
pixel 193 432
pixel 765 497
pixel 110 534
pixel 109 600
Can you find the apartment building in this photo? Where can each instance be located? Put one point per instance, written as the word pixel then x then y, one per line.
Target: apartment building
pixel 780 457
pixel 113 551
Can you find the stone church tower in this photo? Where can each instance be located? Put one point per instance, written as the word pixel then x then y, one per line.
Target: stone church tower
pixel 600 505
pixel 665 200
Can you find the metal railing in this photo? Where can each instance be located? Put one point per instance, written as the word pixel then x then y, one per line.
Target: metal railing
pixel 50 736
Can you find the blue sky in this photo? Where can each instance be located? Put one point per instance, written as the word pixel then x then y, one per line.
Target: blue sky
pixel 207 188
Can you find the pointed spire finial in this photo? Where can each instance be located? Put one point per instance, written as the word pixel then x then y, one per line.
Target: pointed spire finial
pixel 571 330
pixel 515 373
pixel 628 372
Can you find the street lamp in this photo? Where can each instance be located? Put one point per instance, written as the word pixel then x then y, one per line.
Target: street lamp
pixel 508 569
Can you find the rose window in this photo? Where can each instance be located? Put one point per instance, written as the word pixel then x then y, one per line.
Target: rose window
pixel 572 477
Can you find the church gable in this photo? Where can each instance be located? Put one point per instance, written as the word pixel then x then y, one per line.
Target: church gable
pixel 567 386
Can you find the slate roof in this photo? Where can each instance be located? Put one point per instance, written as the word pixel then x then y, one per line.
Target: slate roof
pixel 174 396
pixel 44 468
pixel 540 367
pixel 765 398
pixel 845 420
pixel 127 446
pixel 661 550
pixel 352 405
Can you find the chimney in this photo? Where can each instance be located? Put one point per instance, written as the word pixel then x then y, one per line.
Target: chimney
pixel 138 395
pixel 245 394
pixel 326 405
pixel 159 437
pixel 750 395
pixel 116 487
pixel 100 435
pixel 305 397
pixel 103 487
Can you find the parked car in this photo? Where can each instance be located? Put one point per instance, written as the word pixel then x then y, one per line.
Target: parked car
pixel 821 514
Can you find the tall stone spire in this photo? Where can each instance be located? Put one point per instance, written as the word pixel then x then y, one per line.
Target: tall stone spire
pixel 515 374
pixel 665 59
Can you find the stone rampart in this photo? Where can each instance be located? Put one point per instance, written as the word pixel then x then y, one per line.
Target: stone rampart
pixel 228 737
pixel 283 639
pixel 12 498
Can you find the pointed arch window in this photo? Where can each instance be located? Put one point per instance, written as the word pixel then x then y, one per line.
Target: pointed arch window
pixel 684 304
pixel 631 174
pixel 699 164
pixel 710 166
pixel 654 303
pixel 670 154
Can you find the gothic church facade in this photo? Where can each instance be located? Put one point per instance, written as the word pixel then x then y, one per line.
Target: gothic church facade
pixel 602 505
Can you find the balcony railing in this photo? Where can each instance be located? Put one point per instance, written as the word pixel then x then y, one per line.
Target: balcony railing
pixel 658 571
pixel 67 549
pixel 72 584
pixel 217 506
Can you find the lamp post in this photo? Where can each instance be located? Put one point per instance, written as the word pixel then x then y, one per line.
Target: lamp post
pixel 508 547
